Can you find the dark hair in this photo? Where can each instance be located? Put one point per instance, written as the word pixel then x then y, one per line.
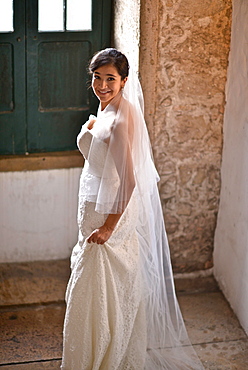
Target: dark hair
pixel 113 57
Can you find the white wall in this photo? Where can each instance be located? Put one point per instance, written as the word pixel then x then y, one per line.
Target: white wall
pixel 127 29
pixel 231 238
pixel 38 211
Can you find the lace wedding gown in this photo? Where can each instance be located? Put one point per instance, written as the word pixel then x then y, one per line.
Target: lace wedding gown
pixel 122 312
pixel 105 319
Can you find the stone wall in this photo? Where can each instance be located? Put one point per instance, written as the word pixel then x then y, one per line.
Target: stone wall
pixel 183 65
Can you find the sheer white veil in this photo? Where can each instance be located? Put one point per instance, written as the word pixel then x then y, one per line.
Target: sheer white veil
pixel 168 343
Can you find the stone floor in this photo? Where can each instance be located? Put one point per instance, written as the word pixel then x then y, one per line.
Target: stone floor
pixel 32 311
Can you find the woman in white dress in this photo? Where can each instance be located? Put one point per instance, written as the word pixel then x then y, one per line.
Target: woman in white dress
pixel 122 312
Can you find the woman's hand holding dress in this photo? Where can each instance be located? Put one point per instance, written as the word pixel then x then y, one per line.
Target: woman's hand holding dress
pixel 103 233
pixel 100 236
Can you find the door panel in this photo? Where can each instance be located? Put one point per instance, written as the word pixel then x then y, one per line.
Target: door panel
pixel 58 86
pixel 6 73
pixel 12 85
pixel 59 96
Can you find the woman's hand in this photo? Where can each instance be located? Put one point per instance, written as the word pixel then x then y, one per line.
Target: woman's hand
pixel 91 123
pixel 101 235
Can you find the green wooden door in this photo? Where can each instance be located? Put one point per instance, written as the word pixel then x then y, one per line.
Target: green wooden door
pixel 52 74
pixel 13 84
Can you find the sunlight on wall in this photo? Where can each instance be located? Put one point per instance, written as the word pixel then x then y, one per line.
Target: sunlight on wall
pixel 127 29
pixel 39 211
pixel 231 238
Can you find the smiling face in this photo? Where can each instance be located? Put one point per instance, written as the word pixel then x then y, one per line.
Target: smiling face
pixel 107 83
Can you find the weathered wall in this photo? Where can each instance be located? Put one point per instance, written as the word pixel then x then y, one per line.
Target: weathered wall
pixel 38 214
pixel 183 63
pixel 231 238
pixel 126 32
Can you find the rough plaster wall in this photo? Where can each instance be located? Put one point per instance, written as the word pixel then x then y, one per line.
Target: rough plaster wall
pixel 231 237
pixel 183 63
pixel 127 29
pixel 38 214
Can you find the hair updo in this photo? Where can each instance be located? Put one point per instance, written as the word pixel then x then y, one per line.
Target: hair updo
pixel 110 56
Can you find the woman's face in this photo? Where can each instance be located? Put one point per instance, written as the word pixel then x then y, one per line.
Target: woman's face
pixel 106 84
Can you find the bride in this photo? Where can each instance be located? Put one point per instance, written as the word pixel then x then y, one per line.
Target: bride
pixel 122 311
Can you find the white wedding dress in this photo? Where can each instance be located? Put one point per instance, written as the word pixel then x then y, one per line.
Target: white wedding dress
pixel 122 312
pixel 105 319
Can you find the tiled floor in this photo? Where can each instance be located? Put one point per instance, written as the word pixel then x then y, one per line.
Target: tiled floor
pixel 31 329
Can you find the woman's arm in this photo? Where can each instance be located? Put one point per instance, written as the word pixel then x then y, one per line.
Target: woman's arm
pixel 103 233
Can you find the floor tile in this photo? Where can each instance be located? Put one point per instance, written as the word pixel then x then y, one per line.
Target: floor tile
pixel 231 355
pixel 31 333
pixel 33 282
pixel 209 318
